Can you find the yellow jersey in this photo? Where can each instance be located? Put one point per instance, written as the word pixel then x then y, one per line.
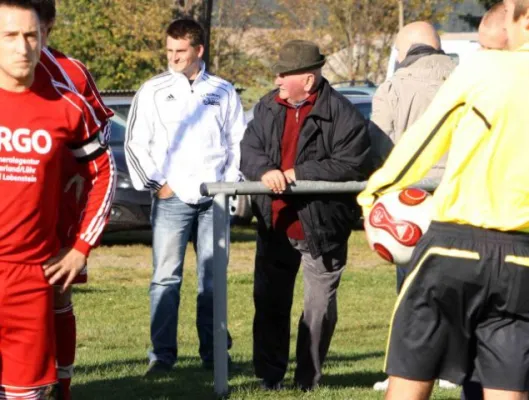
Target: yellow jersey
pixel 480 117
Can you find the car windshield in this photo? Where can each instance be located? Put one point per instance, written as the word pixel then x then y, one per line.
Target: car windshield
pixel 356 92
pixel 117 131
pixel 121 110
pixel 365 109
pixel 362 104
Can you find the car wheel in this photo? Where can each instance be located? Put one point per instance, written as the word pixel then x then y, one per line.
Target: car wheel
pixel 240 210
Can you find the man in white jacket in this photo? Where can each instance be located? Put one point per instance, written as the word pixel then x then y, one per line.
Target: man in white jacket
pixel 184 128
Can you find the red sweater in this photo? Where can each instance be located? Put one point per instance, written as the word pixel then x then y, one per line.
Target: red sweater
pixel 284 215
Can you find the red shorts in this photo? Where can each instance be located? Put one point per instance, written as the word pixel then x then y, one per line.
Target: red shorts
pixel 27 334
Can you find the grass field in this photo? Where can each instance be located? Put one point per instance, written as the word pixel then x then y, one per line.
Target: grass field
pixel 113 327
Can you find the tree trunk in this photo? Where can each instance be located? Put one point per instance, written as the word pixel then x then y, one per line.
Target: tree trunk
pixel 218 38
pixel 401 14
pixel 206 23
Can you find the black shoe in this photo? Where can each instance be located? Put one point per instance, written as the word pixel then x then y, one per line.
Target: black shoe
pixel 269 385
pixel 157 368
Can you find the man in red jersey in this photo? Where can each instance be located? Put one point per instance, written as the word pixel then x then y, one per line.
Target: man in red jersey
pixel 40 119
pixel 74 75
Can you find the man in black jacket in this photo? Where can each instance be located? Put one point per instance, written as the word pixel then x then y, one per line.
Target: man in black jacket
pixel 303 130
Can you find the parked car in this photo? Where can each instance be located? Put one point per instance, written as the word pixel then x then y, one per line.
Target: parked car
pixel 364 104
pixel 356 88
pixel 131 208
pixel 119 101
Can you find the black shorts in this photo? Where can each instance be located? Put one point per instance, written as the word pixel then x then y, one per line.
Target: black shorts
pixel 464 309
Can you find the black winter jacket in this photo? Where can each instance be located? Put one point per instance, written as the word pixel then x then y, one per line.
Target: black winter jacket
pixel 333 146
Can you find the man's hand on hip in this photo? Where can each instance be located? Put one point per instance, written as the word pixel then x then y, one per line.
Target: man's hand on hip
pixel 67 264
pixel 275 181
pixel 165 192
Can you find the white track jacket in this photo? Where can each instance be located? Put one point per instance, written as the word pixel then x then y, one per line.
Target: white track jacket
pixel 183 134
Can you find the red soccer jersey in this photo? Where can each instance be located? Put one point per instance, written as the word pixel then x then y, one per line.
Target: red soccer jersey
pixel 73 74
pixel 36 128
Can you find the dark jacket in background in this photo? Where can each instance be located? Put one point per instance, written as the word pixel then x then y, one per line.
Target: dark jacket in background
pixel 333 146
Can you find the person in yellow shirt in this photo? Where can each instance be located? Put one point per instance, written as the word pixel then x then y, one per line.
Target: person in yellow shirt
pixel 465 300
pixel 492 36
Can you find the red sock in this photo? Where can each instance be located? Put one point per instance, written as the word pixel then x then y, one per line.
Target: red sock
pixel 65 338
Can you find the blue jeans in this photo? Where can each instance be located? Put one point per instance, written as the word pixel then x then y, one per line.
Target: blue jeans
pixel 174 223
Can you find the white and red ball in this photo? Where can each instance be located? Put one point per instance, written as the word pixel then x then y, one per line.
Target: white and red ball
pixel 396 223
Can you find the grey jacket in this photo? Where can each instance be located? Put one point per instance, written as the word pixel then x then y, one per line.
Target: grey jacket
pixel 402 99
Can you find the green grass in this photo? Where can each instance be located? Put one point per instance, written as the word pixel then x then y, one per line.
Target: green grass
pixel 113 328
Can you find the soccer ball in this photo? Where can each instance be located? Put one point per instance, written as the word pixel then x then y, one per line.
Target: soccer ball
pixel 396 223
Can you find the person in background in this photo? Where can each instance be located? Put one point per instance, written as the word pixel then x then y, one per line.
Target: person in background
pixel 422 69
pixel 465 303
pixel 303 130
pixel 492 36
pixel 184 128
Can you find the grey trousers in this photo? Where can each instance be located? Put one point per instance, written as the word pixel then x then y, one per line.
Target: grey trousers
pixel 276 265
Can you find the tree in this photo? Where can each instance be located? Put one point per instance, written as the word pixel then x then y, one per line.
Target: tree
pixel 488 3
pixel 359 33
pixel 474 20
pixel 188 9
pixel 235 50
pixel 120 42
